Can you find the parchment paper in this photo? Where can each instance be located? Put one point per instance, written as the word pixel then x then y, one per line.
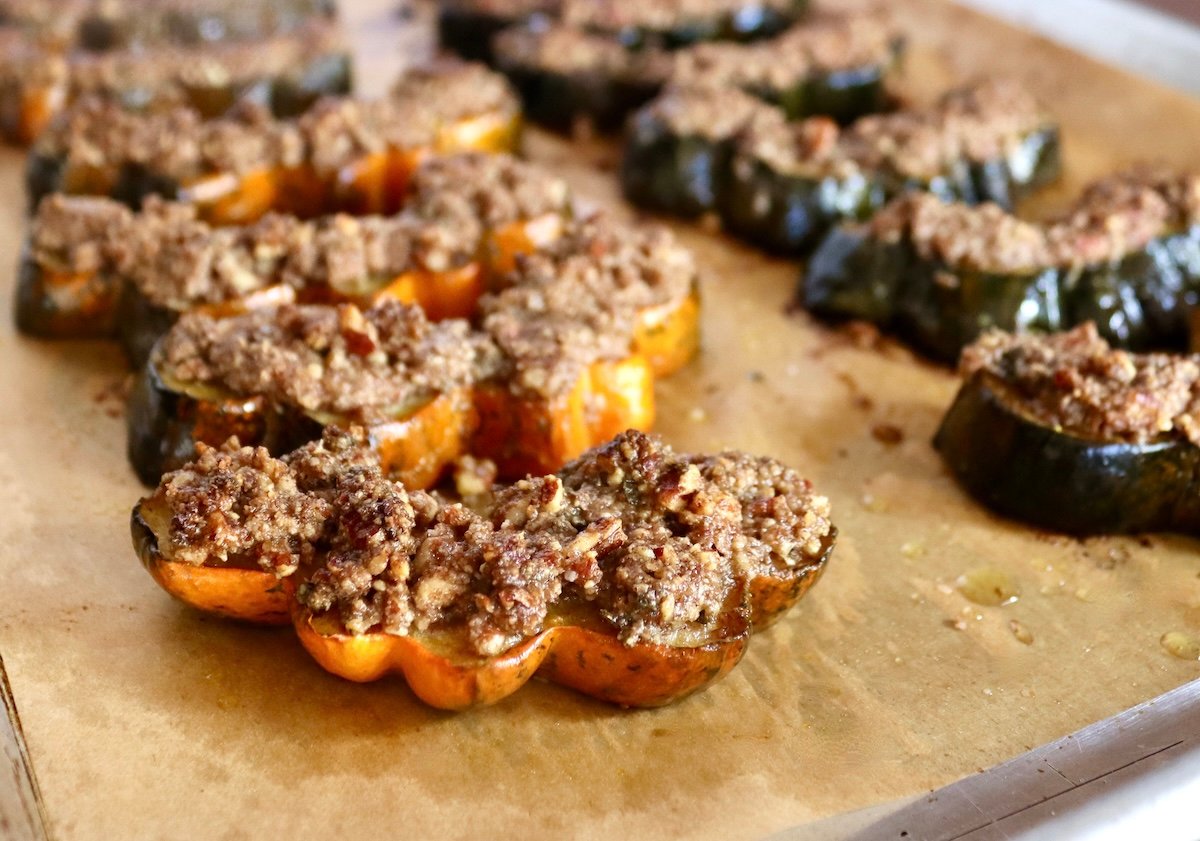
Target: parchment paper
pixel 146 720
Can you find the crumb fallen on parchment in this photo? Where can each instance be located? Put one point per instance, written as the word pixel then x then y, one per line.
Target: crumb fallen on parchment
pixel 887 434
pixel 112 395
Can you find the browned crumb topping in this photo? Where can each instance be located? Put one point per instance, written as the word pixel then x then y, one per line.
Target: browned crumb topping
pixel 1123 213
pixel 983 237
pixel 71 234
pixel 977 123
pixel 176 143
pixel 364 366
pixel 240 506
pixel 167 73
pixel 1077 382
pixel 827 43
pixel 658 15
pixel 318 464
pixel 673 562
pixel 460 89
pixel 577 301
pixel 340 130
pixel 653 539
pixel 1113 217
pixel 178 261
pixel 494 189
pixel 574 303
pixel 568 50
pixel 784 524
pixel 713 113
pixel 148 23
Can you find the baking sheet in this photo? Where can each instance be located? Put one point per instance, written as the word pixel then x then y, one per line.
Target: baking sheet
pixel 146 720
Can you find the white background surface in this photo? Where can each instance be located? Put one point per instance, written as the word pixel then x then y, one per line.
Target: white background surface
pixel 1141 40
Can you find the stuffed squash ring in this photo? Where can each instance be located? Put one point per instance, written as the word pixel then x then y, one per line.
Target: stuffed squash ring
pixel 93 268
pixel 209 55
pixel 286 73
pixel 1126 257
pixel 634 574
pixel 1070 434
pixel 783 184
pixel 833 65
pixel 559 355
pixel 342 154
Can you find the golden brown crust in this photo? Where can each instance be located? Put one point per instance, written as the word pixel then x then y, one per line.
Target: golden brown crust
pixel 979 122
pixel 636 530
pixel 176 144
pixel 1114 217
pixel 367 366
pixel 178 261
pixel 1076 382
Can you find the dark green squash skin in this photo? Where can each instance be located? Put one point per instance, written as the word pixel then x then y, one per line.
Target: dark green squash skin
pixel 751 23
pixel 158 439
pixel 327 75
pixel 789 213
pixel 682 176
pixel 469 33
pixel 44 175
pixel 557 100
pixel 161 428
pixel 1058 481
pixel 1140 303
pixel 140 324
pixel 841 95
pixel 692 175
pixel 286 95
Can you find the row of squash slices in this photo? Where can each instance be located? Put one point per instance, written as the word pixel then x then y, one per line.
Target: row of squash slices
pixel 1078 411
pixel 162 218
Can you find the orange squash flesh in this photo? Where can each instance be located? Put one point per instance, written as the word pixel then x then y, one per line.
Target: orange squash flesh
pixel 417 450
pixel 620 396
pixel 234 592
pixel 669 335
pixel 438 680
pixel 376 183
pixel 523 434
pixel 583 655
pixel 503 245
pixel 301 191
pixel 214 420
pixel 498 131
pixel 227 199
pixel 88 180
pixel 29 114
pixel 414 449
pixel 533 435
pixel 771 596
pixel 453 293
pixel 575 648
